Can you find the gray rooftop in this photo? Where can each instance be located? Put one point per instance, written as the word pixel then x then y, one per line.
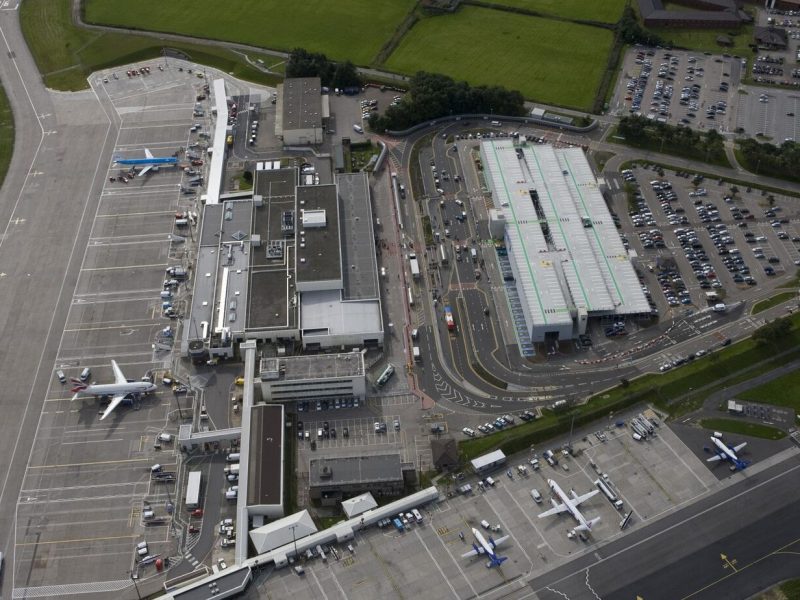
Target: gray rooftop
pixel 318 249
pixel 265 473
pixel 358 237
pixel 591 260
pixel 302 103
pixel 350 470
pixel 320 366
pixel 272 275
pixel 220 585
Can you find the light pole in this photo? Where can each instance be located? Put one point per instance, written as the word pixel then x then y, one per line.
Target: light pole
pixel 133 579
pixel 294 539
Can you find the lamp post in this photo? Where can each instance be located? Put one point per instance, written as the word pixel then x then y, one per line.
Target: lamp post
pixel 133 579
pixel 294 539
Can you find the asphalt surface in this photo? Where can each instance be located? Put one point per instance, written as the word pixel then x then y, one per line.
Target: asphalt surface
pixel 753 523
pixel 53 181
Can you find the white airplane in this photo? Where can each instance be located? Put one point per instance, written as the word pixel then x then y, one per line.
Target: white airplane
pixel 119 390
pixel 487 548
pixel 570 505
pixel 725 452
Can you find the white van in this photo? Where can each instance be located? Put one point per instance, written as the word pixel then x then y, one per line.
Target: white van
pixel 232 457
pixel 358 129
pixel 417 515
pixel 85 374
pixel 537 497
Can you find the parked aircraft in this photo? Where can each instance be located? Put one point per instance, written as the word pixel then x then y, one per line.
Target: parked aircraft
pixel 570 505
pixel 725 452
pixel 119 390
pixel 148 162
pixel 487 548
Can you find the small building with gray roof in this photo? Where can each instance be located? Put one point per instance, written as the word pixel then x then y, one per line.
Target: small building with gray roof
pixel 299 111
pixel 332 479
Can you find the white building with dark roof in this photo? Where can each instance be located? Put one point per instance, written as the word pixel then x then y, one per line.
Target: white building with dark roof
pixel 566 255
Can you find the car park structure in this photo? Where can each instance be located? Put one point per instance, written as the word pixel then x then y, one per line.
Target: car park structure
pixel 568 260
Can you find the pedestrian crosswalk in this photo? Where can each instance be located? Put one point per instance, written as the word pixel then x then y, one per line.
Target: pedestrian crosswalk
pixel 70 589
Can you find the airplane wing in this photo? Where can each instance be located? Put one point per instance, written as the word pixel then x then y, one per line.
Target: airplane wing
pixel 715 458
pixel 560 508
pixel 473 552
pixel 147 153
pixel 739 447
pixel 585 497
pixel 115 401
pixel 119 377
pixel 145 169
pixel 498 541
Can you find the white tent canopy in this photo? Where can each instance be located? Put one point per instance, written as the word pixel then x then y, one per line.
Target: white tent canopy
pixel 283 531
pixel 358 505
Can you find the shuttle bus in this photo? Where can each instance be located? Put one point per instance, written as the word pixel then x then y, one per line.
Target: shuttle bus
pixel 410 297
pixel 386 375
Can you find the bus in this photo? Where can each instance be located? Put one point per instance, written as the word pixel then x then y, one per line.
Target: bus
pixel 410 297
pixel 193 489
pixel 386 375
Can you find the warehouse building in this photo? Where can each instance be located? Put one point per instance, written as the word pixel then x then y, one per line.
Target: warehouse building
pixel 330 480
pixel 300 111
pixel 699 14
pixel 567 258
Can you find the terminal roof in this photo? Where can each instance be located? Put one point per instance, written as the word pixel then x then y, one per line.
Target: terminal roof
pixel 318 248
pixel 302 103
pixel 349 470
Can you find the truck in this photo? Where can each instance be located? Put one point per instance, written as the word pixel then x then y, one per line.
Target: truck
pixel 443 257
pixel 412 260
pixel 473 254
pixel 448 318
pixel 386 375
pixel 193 489
pixel 178 273
pixel 417 354
pixel 612 497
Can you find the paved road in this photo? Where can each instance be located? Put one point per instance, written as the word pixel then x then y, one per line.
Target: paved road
pixel 753 523
pixel 62 143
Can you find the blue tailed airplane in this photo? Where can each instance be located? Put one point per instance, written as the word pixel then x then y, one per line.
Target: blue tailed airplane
pixel 487 549
pixel 148 162
pixel 725 452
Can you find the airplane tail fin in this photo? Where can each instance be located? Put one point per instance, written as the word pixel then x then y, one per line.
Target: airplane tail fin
pixel 498 560
pixel 78 388
pixel 594 522
pixel 740 464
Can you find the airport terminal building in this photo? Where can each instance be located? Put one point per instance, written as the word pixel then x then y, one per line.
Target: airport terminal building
pixel 567 258
pixel 289 264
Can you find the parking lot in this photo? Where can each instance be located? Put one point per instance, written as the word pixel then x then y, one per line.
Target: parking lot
pixel 677 87
pixel 706 242
pixel 769 113
pixel 88 481
pixel 650 477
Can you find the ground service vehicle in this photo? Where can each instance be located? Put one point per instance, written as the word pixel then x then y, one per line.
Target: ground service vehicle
pixel 448 318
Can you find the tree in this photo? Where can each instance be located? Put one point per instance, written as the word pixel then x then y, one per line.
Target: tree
pixel 772 332
pixel 303 63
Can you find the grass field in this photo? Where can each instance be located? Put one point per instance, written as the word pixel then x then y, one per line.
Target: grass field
pixel 783 391
pixel 354 29
pixel 6 134
pixel 516 51
pixel 66 55
pixel 603 11
pixel 774 301
pixel 706 39
pixel 743 428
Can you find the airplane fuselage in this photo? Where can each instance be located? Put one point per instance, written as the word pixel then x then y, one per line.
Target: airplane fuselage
pixel 567 501
pixel 488 550
pixel 112 389
pixel 168 160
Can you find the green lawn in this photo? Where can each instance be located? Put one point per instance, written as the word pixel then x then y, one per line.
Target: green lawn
pixel 345 29
pixel 6 134
pixel 705 40
pixel 743 428
pixel 783 391
pixel 66 55
pixel 528 54
pixel 774 301
pixel 604 11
